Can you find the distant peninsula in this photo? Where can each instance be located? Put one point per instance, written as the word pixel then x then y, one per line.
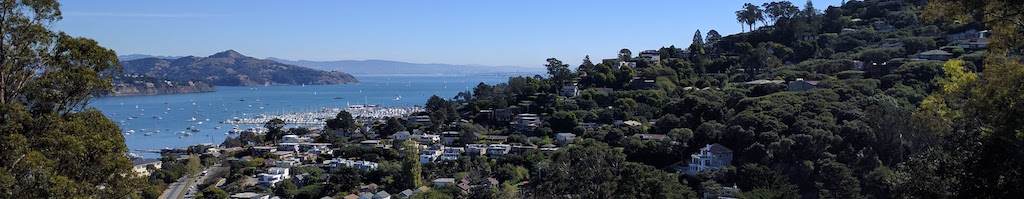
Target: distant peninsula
pixel 134 84
pixel 230 68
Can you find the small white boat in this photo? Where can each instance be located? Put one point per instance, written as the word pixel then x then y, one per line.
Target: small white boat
pixel 149 134
pixel 130 131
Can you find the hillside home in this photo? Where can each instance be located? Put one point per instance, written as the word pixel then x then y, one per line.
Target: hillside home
pixel 497 150
pixel 570 91
pixel 711 157
pixel 273 175
pixel 429 139
pixel 400 136
pixel 288 162
pixel 452 153
pixel 526 122
pixel 421 120
pixel 476 149
pixel 361 165
pixel 802 85
pixel 249 195
pixel 431 154
pixel 565 137
pixel 258 151
pixel 940 55
pixel 639 83
pixel 965 35
pixel 975 44
pixel 440 182
pixel 655 137
pixel 139 166
pixel 448 137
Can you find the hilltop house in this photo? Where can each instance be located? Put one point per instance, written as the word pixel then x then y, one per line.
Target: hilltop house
pixel 711 157
pixel 652 56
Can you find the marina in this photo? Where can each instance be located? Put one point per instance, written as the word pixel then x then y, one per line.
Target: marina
pixel 318 117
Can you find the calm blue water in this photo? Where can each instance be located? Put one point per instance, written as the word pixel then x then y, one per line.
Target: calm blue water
pixel 173 113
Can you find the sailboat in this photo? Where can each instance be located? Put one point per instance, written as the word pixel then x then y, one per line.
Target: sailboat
pixel 398 98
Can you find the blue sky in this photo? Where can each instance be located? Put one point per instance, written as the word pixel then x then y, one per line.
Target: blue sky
pixel 495 33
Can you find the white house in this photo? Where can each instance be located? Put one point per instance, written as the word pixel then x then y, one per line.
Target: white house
pixel 711 157
pixel 401 136
pixel 428 138
pixel 652 56
pixel 452 153
pixel 362 165
pixel 431 154
pixel 565 137
pixel 273 175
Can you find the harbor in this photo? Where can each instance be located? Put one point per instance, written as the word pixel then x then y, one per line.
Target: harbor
pixel 319 117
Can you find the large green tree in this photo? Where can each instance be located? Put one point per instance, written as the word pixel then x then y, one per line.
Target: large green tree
pixel 51 144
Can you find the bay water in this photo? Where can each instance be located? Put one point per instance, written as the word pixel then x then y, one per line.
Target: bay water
pixel 175 114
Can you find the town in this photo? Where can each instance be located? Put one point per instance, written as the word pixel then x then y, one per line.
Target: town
pixel 864 99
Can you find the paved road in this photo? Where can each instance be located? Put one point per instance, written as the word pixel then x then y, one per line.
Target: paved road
pixel 177 189
pixel 180 190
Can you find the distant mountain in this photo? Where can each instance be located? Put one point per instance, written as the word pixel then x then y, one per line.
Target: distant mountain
pixel 141 56
pixel 371 67
pixel 229 68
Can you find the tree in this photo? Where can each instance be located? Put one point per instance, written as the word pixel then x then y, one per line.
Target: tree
pixel 342 121
pixel 441 111
pixel 713 37
pixel 392 126
pixel 345 178
pixel 750 14
pixel 212 192
pixel 51 145
pixel 563 121
pixel 780 9
pixel 697 47
pixel 559 72
pixel 625 55
pixel 809 10
pixel 411 168
pixel 285 189
pixel 837 181
pixel 274 130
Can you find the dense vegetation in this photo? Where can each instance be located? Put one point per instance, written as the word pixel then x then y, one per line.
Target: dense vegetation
pixel 51 145
pixel 921 129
